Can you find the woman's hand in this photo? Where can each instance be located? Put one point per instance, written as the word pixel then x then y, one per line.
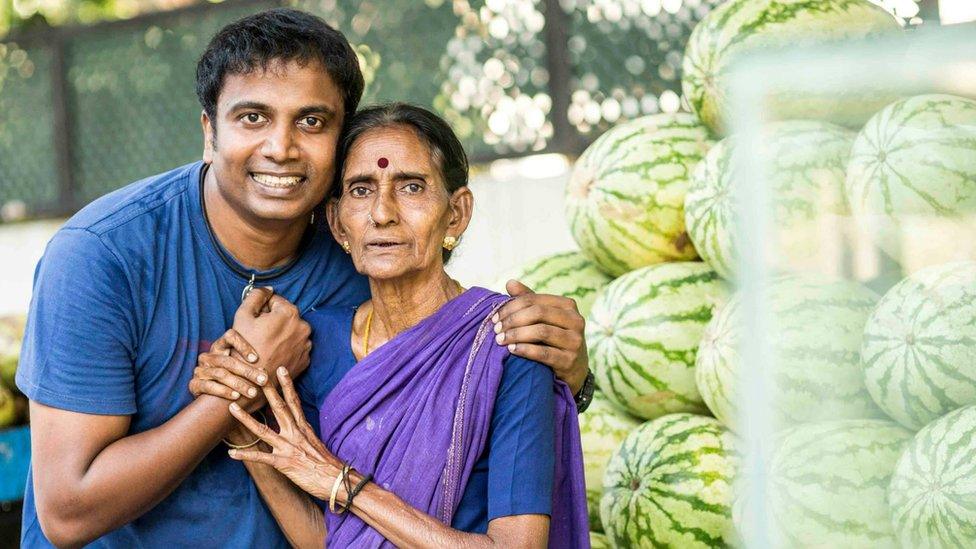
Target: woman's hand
pixel 228 371
pixel 296 450
pixel 544 328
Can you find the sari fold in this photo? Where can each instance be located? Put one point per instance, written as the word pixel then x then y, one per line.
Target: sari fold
pixel 416 414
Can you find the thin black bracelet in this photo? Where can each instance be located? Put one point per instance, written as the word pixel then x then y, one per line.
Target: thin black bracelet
pixel 359 488
pixel 347 484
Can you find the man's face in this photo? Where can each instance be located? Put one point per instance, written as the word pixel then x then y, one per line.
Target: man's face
pixel 272 145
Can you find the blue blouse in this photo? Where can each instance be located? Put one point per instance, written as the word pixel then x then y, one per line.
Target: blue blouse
pixel 514 474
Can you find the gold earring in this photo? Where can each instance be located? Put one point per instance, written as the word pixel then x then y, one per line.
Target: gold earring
pixel 450 243
pixel 345 245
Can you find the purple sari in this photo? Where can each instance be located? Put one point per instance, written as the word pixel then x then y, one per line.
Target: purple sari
pixel 416 414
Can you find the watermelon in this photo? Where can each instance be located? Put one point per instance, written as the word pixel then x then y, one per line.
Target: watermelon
pixel 920 343
pixel 815 327
pixel 803 164
pixel 603 427
pixel 643 333
pixel 625 198
pixel 11 339
pixel 599 541
pixel 826 485
pixel 568 274
pixel 933 489
pixel 740 27
pixel 670 485
pixel 911 180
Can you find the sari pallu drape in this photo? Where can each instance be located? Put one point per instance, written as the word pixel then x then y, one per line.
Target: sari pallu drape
pixel 416 413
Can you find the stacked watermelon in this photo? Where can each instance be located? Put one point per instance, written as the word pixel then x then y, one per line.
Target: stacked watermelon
pixel 643 335
pixel 826 485
pixel 804 165
pixel 653 195
pixel 568 274
pixel 740 27
pixel 603 428
pixel 626 194
pixel 670 485
pixel 931 491
pixel 814 329
pixel 920 343
pixel 910 180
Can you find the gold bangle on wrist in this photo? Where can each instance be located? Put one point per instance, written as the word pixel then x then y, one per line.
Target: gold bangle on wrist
pixel 335 490
pixel 264 420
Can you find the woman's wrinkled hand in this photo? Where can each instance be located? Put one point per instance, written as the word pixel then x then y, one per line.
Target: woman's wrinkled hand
pixel 296 450
pixel 545 328
pixel 228 371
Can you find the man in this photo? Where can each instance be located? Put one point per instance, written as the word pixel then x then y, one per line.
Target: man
pixel 141 281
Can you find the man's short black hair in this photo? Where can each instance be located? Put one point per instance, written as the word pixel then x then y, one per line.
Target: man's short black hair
pixel 279 34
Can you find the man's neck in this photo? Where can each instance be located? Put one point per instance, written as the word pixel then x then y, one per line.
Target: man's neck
pixel 256 244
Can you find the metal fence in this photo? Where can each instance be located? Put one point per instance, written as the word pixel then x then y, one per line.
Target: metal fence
pixel 84 110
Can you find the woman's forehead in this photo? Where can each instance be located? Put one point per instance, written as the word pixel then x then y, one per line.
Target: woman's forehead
pixel 389 148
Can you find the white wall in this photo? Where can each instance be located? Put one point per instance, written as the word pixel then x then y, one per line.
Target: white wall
pixel 518 216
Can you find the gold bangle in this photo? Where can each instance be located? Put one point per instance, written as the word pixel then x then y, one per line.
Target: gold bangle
pixel 335 490
pixel 264 420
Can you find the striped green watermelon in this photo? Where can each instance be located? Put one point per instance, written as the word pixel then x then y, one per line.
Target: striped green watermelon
pixel 643 333
pixel 599 541
pixel 670 485
pixel 569 274
pixel 919 349
pixel 933 489
pixel 803 163
pixel 626 195
pixel 603 427
pixel 911 180
pixel 740 27
pixel 826 485
pixel 815 327
pixel 916 157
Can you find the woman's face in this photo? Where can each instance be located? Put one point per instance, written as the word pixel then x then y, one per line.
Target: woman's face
pixel 395 209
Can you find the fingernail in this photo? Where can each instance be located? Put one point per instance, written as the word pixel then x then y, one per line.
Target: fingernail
pixel 232 453
pixel 252 357
pixel 252 392
pixel 262 378
pixel 511 348
pixel 494 317
pixel 498 327
pixel 234 406
pixel 235 394
pixel 282 371
pixel 500 338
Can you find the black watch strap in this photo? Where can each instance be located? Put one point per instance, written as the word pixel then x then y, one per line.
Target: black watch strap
pixel 585 394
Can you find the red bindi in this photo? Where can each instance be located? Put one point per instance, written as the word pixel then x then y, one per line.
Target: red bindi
pixel 382 162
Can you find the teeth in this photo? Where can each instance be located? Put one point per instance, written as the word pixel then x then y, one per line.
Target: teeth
pixel 274 181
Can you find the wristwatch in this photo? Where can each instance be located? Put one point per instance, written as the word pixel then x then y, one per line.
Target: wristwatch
pixel 585 394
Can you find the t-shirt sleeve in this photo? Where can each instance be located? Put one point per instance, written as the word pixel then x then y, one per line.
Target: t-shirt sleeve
pixel 521 457
pixel 79 345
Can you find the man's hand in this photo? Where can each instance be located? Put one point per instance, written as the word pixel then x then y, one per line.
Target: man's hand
pixel 275 330
pixel 544 328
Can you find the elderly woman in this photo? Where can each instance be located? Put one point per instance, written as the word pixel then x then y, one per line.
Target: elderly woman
pixel 429 435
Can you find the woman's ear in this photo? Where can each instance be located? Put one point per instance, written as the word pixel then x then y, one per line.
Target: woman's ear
pixel 332 215
pixel 461 208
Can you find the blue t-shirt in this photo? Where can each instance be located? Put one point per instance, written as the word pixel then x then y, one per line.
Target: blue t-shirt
pixel 514 474
pixel 126 296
